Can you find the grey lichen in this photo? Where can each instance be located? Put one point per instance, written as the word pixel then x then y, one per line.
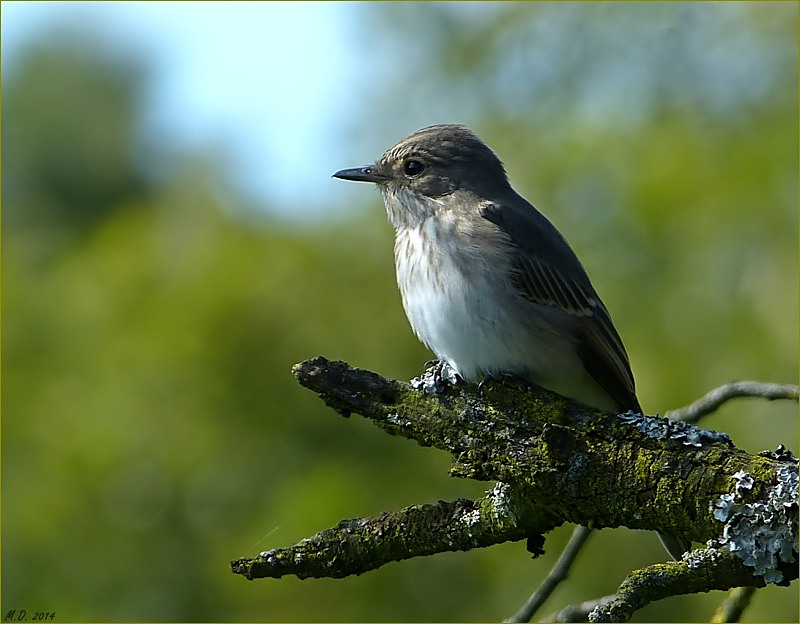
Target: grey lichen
pixel 471 518
pixel 780 454
pixel 664 428
pixel 763 533
pixel 700 557
pixel 395 419
pixel 502 502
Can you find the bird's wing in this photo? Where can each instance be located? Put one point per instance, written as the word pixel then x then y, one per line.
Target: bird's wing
pixel 549 273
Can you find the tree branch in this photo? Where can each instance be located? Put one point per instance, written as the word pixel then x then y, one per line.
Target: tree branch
pixel 734 605
pixel 735 390
pixel 578 612
pixel 556 575
pixel 363 544
pixel 701 570
pixel 557 461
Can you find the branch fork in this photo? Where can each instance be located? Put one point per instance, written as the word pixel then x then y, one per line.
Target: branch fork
pixel 556 461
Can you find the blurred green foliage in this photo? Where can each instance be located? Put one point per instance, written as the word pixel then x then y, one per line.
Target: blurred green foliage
pixel 151 428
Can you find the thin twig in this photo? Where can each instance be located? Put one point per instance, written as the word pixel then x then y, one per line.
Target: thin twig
pixel 558 573
pixel 735 390
pixel 733 606
pixel 579 612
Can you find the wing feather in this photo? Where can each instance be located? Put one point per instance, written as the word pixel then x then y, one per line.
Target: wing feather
pixel 549 273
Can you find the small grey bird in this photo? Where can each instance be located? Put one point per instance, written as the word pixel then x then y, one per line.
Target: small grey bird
pixel 487 282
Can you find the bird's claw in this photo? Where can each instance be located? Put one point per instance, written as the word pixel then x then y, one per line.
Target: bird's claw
pixel 437 376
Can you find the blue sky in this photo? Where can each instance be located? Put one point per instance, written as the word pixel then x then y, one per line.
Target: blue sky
pixel 266 80
pixel 277 91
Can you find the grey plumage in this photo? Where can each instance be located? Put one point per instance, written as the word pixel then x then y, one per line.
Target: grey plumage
pixel 488 283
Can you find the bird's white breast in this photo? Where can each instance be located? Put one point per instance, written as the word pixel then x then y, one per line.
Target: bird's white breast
pixel 461 303
pixel 457 295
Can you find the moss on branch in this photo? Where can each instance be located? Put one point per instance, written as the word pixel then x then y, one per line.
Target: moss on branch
pixel 556 462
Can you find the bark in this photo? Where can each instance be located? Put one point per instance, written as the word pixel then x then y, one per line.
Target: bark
pixel 557 461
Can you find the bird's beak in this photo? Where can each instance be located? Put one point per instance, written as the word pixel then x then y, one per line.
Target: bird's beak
pixel 361 174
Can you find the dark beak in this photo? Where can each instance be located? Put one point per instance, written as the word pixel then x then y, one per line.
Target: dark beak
pixel 361 174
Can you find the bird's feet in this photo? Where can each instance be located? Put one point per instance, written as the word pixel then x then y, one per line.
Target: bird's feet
pixel 438 374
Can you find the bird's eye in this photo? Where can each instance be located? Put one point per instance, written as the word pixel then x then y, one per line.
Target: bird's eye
pixel 413 167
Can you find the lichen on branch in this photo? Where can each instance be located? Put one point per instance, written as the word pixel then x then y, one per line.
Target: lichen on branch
pixel 556 461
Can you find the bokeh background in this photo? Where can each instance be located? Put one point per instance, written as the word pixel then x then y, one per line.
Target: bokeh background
pixel 173 243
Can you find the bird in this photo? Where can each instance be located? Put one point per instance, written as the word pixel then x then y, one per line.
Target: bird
pixel 487 281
